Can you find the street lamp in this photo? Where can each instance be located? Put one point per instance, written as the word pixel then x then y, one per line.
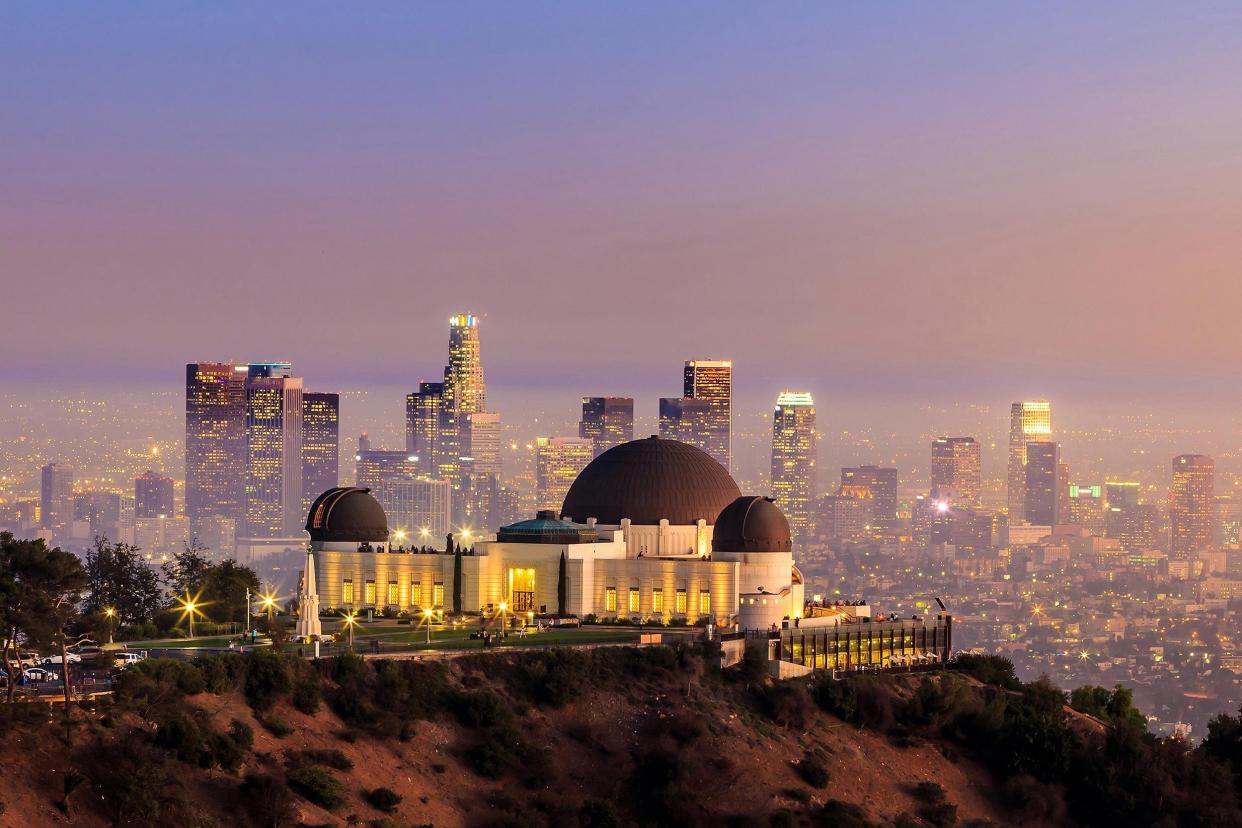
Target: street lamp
pixel 269 604
pixel 110 614
pixel 350 620
pixel 427 620
pixel 504 622
pixel 189 606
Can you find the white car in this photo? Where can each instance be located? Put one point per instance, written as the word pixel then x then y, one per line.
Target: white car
pixel 123 660
pixel 28 659
pixel 54 661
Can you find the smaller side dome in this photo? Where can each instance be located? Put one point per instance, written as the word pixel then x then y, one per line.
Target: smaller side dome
pixel 751 524
pixel 347 515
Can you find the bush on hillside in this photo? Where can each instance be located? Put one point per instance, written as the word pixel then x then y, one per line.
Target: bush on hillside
pixel 318 786
pixel 384 799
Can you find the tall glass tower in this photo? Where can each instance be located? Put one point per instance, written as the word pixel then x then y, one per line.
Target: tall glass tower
pixel 215 441
pixel 321 445
pixel 1192 505
pixel 1029 422
pixel 274 414
pixel 794 459
pixel 711 380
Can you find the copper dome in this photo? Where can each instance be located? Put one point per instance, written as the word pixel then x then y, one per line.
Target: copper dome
pixel 347 515
pixel 751 524
pixel 650 480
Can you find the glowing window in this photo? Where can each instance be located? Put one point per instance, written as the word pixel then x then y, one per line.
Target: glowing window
pixel 681 601
pixel 394 594
pixel 347 592
pixel 610 599
pixel 634 599
pixel 370 594
pixel 416 593
pixel 657 601
pixel 705 602
pixel 437 595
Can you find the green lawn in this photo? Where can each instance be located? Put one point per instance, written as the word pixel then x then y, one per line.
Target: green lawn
pixel 391 636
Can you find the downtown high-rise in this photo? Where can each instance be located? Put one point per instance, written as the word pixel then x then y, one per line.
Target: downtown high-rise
pixel 153 496
pixel 607 421
pixel 1041 486
pixel 274 428
pixel 711 380
pixel 56 509
pixel 215 441
pixel 1192 505
pixel 956 470
pixel 422 425
pixel 880 483
pixel 1029 422
pixel 794 460
pixel 558 461
pixel 321 444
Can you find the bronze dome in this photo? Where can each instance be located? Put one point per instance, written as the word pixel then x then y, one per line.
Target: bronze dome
pixel 751 524
pixel 649 480
pixel 347 515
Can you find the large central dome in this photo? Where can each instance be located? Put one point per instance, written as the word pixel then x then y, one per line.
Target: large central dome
pixel 649 480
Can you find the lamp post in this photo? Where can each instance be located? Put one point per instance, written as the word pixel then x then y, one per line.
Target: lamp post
pixel 504 621
pixel 110 614
pixel 189 608
pixel 427 620
pixel 349 624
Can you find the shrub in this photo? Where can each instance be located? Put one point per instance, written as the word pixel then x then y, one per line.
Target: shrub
pixel 276 726
pixel 480 708
pixel 306 695
pixel 331 757
pixel 989 669
pixel 267 679
pixel 813 771
pixel 384 799
pixel 268 802
pixel 221 672
pixel 318 786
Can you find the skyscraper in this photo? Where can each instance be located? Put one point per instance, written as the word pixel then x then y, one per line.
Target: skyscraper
pixel 1042 474
pixel 464 389
pixel 153 495
pixel 558 461
pixel 422 425
pixel 685 419
pixel 215 440
pixel 1192 505
pixel 321 444
pixel 955 470
pixel 794 455
pixel 419 509
pixel 481 468
pixel 372 466
pixel 607 421
pixel 882 483
pixel 56 496
pixel 1029 422
pixel 273 451
pixel 712 380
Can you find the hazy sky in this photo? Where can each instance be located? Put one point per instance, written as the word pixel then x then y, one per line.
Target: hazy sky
pixel 997 198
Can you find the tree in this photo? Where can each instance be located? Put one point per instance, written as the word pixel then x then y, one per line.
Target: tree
pixel 562 586
pixel 187 571
pixel 40 593
pixel 457 580
pixel 118 577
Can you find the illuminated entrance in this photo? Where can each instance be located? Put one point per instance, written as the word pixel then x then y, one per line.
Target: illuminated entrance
pixel 522 589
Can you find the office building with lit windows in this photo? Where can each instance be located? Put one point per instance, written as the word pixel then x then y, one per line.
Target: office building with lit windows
pixel 153 495
pixel 1042 470
pixel 956 471
pixel 215 441
pixel 422 425
pixel 794 460
pixel 558 462
pixel 607 421
pixel 1192 505
pixel 321 444
pixel 419 509
pixel 711 380
pixel 881 482
pixel 56 497
pixel 274 403
pixel 1029 422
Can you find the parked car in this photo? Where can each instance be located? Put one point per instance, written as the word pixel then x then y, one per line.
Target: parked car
pixel 28 659
pixel 84 644
pixel 54 661
pixel 40 674
pixel 123 660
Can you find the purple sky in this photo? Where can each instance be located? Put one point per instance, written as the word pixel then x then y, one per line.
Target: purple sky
pixel 999 199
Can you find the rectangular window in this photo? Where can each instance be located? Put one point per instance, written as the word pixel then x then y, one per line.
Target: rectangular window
pixel 657 602
pixel 416 593
pixel 610 599
pixel 394 594
pixel 437 595
pixel 634 599
pixel 705 602
pixel 681 601
pixel 370 596
pixel 347 592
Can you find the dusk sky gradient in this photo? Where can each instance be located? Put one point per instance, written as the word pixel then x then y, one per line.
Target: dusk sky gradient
pixel 992 198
